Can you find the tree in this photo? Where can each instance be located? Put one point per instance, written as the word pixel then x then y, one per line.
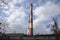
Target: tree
pixel 4 4
pixel 3 25
pixel 55 28
pixel 0 29
pixel 3 1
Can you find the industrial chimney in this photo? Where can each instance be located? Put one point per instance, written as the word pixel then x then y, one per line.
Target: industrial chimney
pixel 30 25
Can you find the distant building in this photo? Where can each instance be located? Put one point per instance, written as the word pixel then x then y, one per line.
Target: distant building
pixel 18 36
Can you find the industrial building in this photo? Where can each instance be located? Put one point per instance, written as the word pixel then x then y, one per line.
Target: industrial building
pixel 18 36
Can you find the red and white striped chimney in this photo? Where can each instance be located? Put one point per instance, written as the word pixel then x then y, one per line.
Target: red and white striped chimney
pixel 30 26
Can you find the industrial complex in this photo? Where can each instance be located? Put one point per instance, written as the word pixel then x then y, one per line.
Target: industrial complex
pixel 29 35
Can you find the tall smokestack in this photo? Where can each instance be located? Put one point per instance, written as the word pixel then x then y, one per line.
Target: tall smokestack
pixel 30 26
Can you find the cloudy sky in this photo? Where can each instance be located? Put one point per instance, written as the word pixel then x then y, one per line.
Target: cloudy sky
pixel 16 13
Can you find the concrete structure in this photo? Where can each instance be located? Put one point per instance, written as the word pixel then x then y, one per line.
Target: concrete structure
pixel 30 26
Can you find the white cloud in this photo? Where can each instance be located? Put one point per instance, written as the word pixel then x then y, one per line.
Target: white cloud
pixel 16 13
pixel 18 26
pixel 16 20
pixel 44 12
pixel 16 17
